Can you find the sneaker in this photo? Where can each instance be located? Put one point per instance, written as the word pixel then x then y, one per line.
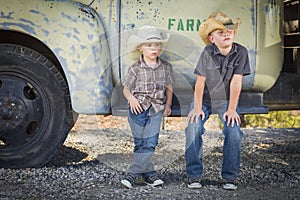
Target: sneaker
pixel 128 181
pixel 153 181
pixel 230 186
pixel 194 183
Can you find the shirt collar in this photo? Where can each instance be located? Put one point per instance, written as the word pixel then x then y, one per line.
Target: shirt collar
pixel 144 65
pixel 217 51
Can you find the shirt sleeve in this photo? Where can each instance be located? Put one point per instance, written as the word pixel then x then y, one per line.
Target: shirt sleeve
pixel 169 75
pixel 130 78
pixel 243 64
pixel 202 64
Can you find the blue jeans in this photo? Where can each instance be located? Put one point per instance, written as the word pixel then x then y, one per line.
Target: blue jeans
pixel 231 147
pixel 145 141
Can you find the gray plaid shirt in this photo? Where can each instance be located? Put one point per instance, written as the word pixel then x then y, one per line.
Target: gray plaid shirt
pixel 148 84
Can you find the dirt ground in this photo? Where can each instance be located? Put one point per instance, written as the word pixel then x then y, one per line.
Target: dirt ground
pixel 269 170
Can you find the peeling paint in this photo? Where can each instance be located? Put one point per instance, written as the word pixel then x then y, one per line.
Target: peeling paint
pixel 90 41
pixel 71 30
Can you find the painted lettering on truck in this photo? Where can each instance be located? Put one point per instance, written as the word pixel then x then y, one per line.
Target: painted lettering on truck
pixel 183 24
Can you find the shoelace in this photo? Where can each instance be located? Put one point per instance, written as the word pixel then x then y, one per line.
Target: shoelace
pixel 152 178
pixel 130 178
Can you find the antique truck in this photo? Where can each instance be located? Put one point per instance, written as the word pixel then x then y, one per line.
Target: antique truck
pixel 61 58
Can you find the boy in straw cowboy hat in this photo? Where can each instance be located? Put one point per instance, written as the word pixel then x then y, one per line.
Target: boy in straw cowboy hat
pixel 219 72
pixel 148 89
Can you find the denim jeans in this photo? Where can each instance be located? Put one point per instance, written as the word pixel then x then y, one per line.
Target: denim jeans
pixel 145 141
pixel 231 146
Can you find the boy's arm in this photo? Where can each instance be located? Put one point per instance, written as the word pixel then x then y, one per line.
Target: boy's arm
pixel 198 99
pixel 169 95
pixel 127 93
pixel 133 102
pixel 235 90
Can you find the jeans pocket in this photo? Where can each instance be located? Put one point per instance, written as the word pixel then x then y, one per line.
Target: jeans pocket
pixel 140 119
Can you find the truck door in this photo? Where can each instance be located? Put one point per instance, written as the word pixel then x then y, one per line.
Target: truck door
pixel 182 20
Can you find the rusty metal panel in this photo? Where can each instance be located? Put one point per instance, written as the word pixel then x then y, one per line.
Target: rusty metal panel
pixel 75 34
pixel 269 52
pixel 182 20
pixel 89 38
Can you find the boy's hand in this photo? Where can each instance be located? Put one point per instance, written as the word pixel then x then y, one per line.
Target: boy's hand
pixel 135 105
pixel 232 117
pixel 194 115
pixel 168 110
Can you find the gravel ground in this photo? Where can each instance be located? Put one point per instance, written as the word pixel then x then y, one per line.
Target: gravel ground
pixel 98 151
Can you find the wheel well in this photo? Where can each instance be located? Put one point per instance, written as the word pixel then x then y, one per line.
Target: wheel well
pixel 23 39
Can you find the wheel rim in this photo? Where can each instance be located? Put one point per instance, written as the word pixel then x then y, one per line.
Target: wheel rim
pixel 22 108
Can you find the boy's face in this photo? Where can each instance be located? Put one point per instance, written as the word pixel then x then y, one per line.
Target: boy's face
pixel 150 50
pixel 222 38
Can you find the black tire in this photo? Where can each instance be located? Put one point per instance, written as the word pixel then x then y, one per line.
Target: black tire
pixel 35 108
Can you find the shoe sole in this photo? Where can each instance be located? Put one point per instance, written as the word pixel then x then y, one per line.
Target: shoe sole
pixel 194 186
pixel 229 187
pixel 126 184
pixel 155 184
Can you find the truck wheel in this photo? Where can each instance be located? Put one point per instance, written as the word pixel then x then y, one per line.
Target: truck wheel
pixel 35 108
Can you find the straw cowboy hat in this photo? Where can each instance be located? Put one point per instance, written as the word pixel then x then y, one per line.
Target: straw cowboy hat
pixel 146 34
pixel 217 21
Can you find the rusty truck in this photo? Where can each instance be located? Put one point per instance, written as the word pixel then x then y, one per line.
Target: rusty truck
pixel 61 58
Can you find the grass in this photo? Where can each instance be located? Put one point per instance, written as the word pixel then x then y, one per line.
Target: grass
pixel 274 119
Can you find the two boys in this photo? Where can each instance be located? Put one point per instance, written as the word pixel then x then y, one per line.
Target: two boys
pixel 219 72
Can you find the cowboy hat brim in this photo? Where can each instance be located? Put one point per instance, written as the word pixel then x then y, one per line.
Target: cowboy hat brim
pixel 211 24
pixel 135 41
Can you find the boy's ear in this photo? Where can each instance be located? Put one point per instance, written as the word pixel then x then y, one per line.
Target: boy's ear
pixel 210 38
pixel 139 48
